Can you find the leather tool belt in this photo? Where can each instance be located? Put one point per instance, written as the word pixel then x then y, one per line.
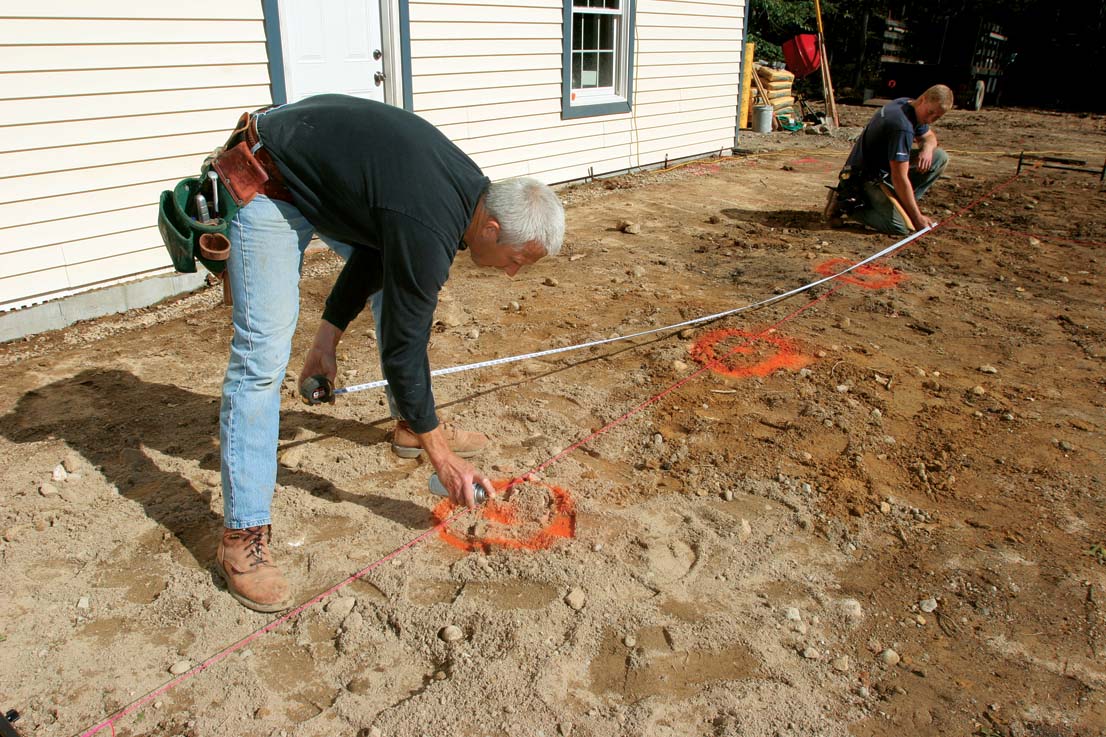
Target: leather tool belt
pixel 245 167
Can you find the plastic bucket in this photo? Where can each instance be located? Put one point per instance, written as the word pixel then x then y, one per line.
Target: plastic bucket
pixel 762 118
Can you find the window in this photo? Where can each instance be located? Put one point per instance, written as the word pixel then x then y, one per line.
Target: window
pixel 598 57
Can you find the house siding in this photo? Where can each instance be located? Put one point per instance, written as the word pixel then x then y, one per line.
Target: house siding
pixel 103 105
pixel 488 74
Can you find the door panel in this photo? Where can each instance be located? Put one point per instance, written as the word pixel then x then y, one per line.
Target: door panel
pixel 329 45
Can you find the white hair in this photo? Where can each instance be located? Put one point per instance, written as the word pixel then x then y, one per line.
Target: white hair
pixel 527 210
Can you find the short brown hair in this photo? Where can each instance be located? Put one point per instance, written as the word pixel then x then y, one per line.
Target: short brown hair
pixel 939 95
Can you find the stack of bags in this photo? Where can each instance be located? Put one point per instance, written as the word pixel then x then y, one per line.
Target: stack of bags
pixel 776 84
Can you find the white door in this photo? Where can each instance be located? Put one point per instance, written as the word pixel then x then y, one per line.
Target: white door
pixel 332 46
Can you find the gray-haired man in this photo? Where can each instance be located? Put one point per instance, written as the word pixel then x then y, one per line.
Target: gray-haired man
pixel 393 196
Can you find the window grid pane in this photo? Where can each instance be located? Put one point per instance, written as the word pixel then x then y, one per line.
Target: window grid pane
pixel 595 45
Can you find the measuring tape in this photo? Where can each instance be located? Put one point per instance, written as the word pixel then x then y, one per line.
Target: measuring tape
pixel 687 323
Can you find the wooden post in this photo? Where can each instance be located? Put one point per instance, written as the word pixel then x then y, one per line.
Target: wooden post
pixel 827 83
pixel 747 85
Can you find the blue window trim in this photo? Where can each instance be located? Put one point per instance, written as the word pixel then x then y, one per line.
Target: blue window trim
pixel 275 51
pixel 568 110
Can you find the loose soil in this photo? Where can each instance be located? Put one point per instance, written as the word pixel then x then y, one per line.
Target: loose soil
pixel 929 479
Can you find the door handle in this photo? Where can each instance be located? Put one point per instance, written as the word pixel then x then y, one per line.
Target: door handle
pixel 379 78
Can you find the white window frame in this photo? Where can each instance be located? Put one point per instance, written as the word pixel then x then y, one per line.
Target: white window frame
pixel 590 101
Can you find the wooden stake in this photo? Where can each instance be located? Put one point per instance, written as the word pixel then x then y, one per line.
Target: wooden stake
pixel 827 82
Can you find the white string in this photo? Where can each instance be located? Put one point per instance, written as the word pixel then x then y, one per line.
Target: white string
pixel 756 305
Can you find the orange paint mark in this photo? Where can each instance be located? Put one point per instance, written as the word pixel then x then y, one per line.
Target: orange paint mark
pixel 507 525
pixel 749 355
pixel 868 276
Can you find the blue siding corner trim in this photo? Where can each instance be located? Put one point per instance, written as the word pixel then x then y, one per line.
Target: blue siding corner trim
pixel 274 51
pixel 568 110
pixel 405 53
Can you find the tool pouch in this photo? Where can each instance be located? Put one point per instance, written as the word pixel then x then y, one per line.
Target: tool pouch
pixel 185 236
pixel 241 172
pixel 850 190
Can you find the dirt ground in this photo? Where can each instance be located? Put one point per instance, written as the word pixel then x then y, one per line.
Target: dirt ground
pixel 898 530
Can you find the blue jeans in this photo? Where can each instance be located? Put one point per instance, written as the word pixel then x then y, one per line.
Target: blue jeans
pixel 879 213
pixel 268 239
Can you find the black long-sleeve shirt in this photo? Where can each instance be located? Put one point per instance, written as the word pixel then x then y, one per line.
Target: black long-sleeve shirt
pixel 394 188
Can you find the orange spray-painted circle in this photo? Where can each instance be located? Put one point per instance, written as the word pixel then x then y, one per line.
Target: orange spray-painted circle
pixel 868 276
pixel 520 522
pixel 738 353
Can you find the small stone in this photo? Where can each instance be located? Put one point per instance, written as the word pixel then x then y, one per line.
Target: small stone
pixel 637 272
pixel 792 614
pixel 576 599
pixel 597 547
pixel 889 657
pixel 340 607
pixel 627 227
pixel 474 334
pixel 811 653
pixel 863 692
pixel 842 388
pixel 658 440
pixel 47 490
pixel 877 413
pixel 978 390
pixel 852 609
pixel 679 366
pixel 885 508
pixel 841 664
pixel 83 603
pixel 1066 446
pixel 1033 241
pixel 551 282
pixel 687 333
pixel 59 473
pixel 629 641
pixel 921 620
pixel 71 463
pixel 746 529
pixel 450 633
pixel 727 495
pixel 514 306
pixel 928 605
pixel 11 534
pixel 844 323
pixel 353 622
pixel 564 729
pixel 805 373
pixel 987 369
pixel 1008 416
pixel 375 732
pixel 179 667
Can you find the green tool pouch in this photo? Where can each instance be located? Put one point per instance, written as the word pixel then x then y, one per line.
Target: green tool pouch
pixel 187 236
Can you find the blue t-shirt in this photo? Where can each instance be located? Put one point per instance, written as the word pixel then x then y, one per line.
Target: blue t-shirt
pixel 888 137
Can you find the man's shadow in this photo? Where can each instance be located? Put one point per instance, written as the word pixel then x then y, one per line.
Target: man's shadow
pixel 800 219
pixel 110 417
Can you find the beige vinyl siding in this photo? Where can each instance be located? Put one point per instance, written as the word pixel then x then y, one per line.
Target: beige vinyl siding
pixel 488 73
pixel 102 106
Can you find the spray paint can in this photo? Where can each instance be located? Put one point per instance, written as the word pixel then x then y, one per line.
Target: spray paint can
pixel 436 487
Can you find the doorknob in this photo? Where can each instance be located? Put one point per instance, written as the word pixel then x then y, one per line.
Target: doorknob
pixel 377 54
pixel 379 78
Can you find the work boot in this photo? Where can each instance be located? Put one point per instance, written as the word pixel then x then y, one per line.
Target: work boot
pixel 831 211
pixel 466 444
pixel 246 564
